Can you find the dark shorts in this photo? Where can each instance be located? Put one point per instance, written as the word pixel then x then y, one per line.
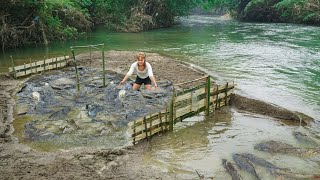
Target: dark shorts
pixel 144 81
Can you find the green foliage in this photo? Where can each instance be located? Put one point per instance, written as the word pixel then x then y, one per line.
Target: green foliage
pixel 260 10
pixel 297 11
pixel 228 4
pixel 300 11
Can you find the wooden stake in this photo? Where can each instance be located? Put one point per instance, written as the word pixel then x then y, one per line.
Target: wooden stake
pixel 13 69
pixel 103 67
pixel 171 118
pixel 31 66
pixel 217 97
pixel 226 95
pixel 44 64
pixel 145 127
pixel 134 132
pixel 76 68
pixel 160 117
pixel 35 63
pixel 208 96
pixel 56 63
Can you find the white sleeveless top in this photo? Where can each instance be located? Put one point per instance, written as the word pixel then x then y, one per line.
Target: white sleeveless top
pixel 142 74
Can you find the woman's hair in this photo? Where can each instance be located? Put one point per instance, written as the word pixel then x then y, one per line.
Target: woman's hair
pixel 143 55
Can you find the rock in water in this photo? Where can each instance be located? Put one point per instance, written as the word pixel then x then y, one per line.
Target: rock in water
pixel 122 94
pixel 244 164
pixel 36 96
pixel 231 169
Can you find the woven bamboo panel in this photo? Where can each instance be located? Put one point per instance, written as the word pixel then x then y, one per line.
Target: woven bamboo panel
pixel 35 67
pixel 183 106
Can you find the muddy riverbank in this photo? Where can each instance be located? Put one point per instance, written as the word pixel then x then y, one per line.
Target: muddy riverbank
pixel 20 161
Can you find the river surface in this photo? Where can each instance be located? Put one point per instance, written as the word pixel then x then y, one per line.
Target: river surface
pixel 276 63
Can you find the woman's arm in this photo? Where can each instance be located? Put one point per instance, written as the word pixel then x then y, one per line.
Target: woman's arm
pixel 126 77
pixel 153 80
pixel 129 73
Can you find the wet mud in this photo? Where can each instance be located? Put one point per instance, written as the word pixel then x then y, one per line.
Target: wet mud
pixel 263 108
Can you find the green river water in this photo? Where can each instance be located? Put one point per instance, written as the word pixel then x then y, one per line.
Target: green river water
pixel 276 63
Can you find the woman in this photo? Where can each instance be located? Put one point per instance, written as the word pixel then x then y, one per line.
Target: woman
pixel 144 73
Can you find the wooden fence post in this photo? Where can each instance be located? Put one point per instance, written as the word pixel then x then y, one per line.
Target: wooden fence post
pixel 76 68
pixel 145 127
pixel 44 64
pixel 13 69
pixel 35 64
pixel 134 132
pixel 90 54
pixel 208 95
pixel 31 67
pixel 217 97
pixel 103 67
pixel 171 118
pixel 226 95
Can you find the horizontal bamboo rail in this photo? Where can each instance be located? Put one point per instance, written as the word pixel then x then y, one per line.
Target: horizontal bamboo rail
pixel 38 66
pixel 186 103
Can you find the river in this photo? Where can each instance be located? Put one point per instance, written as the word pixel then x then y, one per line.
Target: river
pixel 276 63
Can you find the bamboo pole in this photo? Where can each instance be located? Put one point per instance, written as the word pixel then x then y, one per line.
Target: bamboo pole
pixel 226 95
pixel 171 118
pixel 217 97
pixel 150 129
pixel 65 59
pixel 76 68
pixel 73 47
pixel 31 67
pixel 145 127
pixel 13 69
pixel 160 117
pixel 134 132
pixel 103 67
pixel 35 65
pixel 208 96
pixel 44 64
pixel 190 81
pixel 90 55
pixel 56 63
pixel 166 118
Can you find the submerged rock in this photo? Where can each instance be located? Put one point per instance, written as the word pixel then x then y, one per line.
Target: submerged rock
pixel 280 147
pixel 244 164
pixel 259 161
pixel 306 139
pixel 260 107
pixel 231 169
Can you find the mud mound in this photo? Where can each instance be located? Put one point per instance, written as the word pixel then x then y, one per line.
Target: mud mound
pixel 93 116
pixel 260 107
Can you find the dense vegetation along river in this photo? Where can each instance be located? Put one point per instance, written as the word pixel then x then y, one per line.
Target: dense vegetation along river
pixel 277 63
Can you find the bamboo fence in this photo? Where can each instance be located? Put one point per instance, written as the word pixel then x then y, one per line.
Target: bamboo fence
pixel 38 66
pixel 204 97
pixel 90 47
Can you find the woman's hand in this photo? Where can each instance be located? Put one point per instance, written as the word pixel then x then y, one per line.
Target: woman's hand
pixel 121 83
pixel 155 87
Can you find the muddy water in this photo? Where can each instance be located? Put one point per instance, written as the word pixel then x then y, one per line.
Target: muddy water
pixel 198 145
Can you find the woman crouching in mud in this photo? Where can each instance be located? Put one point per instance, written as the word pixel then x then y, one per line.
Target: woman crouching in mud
pixel 144 73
